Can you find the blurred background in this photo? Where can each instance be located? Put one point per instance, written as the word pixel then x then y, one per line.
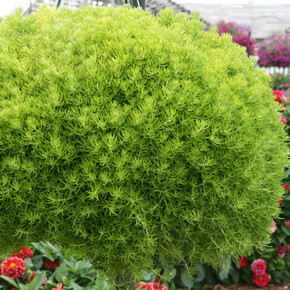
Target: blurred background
pixel 266 17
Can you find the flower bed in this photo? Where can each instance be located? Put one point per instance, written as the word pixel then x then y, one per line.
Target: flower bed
pixel 241 34
pixel 275 51
pixel 46 266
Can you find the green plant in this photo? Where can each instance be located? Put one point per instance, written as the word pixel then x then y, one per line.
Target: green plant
pixel 47 267
pixel 134 139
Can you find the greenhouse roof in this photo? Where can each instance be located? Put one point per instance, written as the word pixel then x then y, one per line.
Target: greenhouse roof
pixel 265 17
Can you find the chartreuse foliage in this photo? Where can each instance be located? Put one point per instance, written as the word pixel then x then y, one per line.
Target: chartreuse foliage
pixel 131 138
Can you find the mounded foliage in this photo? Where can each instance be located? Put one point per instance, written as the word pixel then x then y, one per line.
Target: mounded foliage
pixel 131 138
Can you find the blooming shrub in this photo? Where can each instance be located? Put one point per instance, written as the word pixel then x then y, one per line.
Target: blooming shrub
pixel 63 271
pixel 240 34
pixel 117 139
pixel 275 51
pixel 272 265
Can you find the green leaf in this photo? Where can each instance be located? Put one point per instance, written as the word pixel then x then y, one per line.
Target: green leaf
pixel 94 271
pixel 37 261
pixel 210 276
pixel 28 262
pixel 48 250
pixel 246 278
pixel 279 264
pixel 80 266
pixel 235 275
pixel 281 239
pixel 224 267
pixel 10 281
pixel 75 286
pixel 69 263
pixel 287 173
pixel 172 286
pixel 286 277
pixel 186 280
pixel 201 273
pixel 286 230
pixel 169 273
pixel 276 276
pixel 196 285
pixel 60 272
pixel 148 276
pixel 37 281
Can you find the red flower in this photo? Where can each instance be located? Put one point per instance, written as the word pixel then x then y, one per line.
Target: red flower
pixel 280 201
pixel 287 223
pixel 279 95
pixel 261 280
pixel 288 248
pixel 282 251
pixel 51 264
pixel 243 261
pixel 13 268
pixel 31 277
pixel 286 186
pixel 23 253
pixel 259 267
pixel 151 286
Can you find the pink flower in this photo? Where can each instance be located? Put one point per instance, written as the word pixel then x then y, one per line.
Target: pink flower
pixel 286 186
pixel 281 250
pixel 273 227
pixel 283 119
pixel 288 248
pixel 259 267
pixel 151 286
pixel 261 280
pixel 287 223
